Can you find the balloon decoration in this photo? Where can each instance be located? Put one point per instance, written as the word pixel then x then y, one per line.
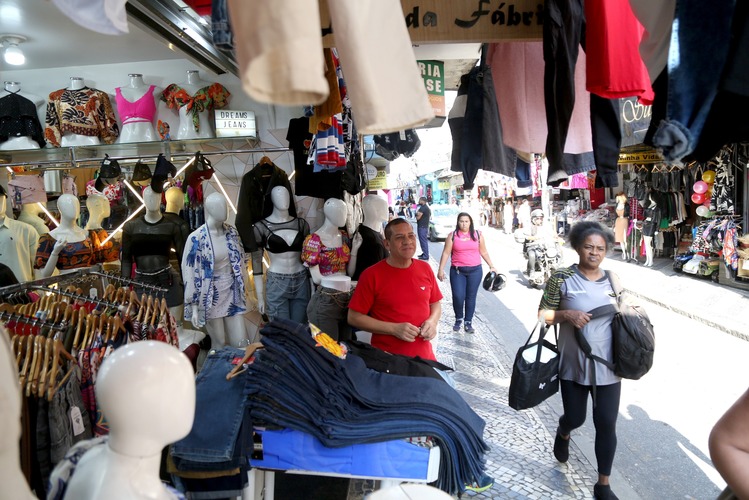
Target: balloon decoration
pixel 700 187
pixel 708 176
pixel 698 198
pixel 702 211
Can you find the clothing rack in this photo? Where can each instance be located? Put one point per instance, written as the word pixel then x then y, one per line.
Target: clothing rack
pixel 128 281
pixel 73 275
pixel 76 296
pixel 30 320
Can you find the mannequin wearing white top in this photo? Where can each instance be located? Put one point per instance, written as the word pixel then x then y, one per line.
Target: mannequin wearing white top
pixel 23 142
pixel 69 138
pixel 127 466
pixel 31 214
pixel 280 263
pixel 648 241
pixel 67 232
pixel 136 130
pixel 335 217
pixel 18 243
pixel 11 476
pixel 229 329
pixel 175 200
pixel 186 129
pixel 98 210
pixel 375 212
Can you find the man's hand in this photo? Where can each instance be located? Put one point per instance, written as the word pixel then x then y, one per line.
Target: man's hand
pixel 428 330
pixel 578 318
pixel 405 331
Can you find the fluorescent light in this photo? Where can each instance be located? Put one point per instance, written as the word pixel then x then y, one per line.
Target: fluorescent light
pixel 132 215
pixel 221 186
pixel 44 209
pixel 135 191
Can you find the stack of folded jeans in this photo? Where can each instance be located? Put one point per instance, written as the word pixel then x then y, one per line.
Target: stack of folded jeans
pixel 296 383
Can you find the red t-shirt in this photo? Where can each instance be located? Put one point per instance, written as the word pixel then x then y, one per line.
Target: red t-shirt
pixel 397 295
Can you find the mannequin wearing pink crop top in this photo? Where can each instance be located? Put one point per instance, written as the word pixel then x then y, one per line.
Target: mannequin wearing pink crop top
pixel 137 110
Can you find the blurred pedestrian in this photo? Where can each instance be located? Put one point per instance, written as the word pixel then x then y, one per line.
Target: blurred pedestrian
pixel 465 247
pixel 729 447
pixel 423 214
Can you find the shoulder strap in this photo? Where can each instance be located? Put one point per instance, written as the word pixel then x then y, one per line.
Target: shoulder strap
pixel 615 283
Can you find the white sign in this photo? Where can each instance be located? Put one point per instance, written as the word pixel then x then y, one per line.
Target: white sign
pixel 234 123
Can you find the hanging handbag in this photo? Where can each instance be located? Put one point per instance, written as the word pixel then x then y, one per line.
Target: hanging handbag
pixel 535 373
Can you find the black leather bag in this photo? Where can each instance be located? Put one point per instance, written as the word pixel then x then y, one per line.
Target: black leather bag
pixel 535 373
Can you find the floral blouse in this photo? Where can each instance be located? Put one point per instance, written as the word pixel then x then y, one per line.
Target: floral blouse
pixel 211 97
pixel 72 256
pixel 112 192
pixel 85 112
pixel 330 260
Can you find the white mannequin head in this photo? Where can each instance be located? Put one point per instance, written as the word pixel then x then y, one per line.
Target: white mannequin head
pixel 166 387
pixel 152 200
pixel 335 212
pixel 98 205
pixel 69 207
pixel 215 208
pixel 280 197
pixel 375 209
pixel 175 200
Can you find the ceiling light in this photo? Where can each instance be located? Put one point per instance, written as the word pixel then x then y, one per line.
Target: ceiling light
pixel 13 54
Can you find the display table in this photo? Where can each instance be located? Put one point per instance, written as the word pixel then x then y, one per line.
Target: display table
pixel 295 452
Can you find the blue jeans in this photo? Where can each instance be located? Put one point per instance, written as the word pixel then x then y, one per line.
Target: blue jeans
pixel 219 411
pixel 221 27
pixel 423 233
pixel 694 60
pixel 287 295
pixel 464 283
pixel 328 310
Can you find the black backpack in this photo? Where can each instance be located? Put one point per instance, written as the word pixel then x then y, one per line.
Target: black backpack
pixel 634 337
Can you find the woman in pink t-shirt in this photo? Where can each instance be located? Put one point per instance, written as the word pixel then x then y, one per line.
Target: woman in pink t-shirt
pixel 465 247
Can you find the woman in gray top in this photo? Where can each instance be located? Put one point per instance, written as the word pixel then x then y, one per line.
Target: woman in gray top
pixel 569 294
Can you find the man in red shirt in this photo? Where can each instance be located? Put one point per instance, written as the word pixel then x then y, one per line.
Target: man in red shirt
pixel 398 299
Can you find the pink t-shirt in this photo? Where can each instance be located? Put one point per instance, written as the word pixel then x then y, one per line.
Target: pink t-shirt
pixel 465 250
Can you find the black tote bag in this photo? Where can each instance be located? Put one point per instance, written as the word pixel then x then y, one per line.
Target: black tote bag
pixel 535 373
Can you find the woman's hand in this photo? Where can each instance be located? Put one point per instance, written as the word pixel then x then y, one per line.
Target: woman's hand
pixel 441 275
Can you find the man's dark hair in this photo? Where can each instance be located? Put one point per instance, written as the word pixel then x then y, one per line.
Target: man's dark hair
pixel 580 232
pixel 423 198
pixel 392 224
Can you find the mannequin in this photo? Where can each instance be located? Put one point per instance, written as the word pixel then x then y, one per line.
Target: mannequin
pixel 98 210
pixel 375 210
pixel 126 464
pixel 137 108
pixel 195 114
pixel 650 226
pixel 18 242
pixel 175 200
pixel 146 242
pixel 326 253
pixel 23 130
pixel 71 246
pixel 622 223
pixel 13 481
pixel 281 235
pixel 31 214
pixel 69 138
pixel 214 267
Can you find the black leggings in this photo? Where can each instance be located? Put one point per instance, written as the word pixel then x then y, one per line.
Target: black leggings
pixel 575 402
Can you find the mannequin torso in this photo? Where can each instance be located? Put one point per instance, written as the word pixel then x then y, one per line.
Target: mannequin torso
pixel 69 239
pixel 69 138
pixel 375 214
pixel 331 240
pixel 137 108
pixel 194 99
pixel 20 141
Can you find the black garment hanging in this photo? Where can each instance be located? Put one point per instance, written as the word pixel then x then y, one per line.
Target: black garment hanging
pixel 18 118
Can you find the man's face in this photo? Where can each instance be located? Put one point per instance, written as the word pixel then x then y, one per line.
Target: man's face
pixel 402 241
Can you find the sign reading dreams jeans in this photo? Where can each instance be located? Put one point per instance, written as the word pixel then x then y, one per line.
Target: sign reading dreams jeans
pixel 634 120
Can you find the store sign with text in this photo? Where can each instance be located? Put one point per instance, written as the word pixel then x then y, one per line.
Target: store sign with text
pixel 433 73
pixel 634 120
pixel 379 181
pixel 235 123
pixel 479 21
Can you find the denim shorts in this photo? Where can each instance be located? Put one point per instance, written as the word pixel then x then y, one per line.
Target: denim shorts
pixel 287 295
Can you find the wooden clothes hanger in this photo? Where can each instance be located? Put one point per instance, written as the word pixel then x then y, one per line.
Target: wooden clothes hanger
pixel 248 352
pixel 59 354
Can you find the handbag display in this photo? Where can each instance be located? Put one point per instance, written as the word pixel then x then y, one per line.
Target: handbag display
pixel 535 373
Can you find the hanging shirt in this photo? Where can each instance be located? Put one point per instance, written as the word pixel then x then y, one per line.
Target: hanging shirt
pixel 85 112
pixel 18 118
pixel 18 242
pixel 213 96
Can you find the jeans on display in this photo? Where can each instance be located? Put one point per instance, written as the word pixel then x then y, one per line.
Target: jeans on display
pixel 62 434
pixel 168 278
pixel 219 411
pixel 296 383
pixel 423 234
pixel 328 310
pixel 695 64
pixel 221 26
pixel 464 283
pixel 287 295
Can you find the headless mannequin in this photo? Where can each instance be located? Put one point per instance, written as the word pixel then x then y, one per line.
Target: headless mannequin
pixel 335 216
pixel 229 329
pixel 375 211
pixel 98 210
pixel 648 240
pixel 69 138
pixel 175 200
pixel 31 214
pixel 621 224
pixel 186 129
pixel 23 142
pixel 127 466
pixel 11 476
pixel 280 263
pixel 67 232
pixel 137 130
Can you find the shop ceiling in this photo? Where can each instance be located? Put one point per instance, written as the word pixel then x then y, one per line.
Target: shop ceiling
pixel 168 29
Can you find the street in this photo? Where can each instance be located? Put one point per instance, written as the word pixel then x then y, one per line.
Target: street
pixel 665 418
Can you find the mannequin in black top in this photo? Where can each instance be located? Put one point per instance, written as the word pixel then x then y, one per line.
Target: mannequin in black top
pixel 650 227
pixel 368 246
pixel 146 241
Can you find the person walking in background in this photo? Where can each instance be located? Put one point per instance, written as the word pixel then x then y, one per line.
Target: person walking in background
pixel 524 214
pixel 423 213
pixel 465 247
pixel 508 216
pixel 570 293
